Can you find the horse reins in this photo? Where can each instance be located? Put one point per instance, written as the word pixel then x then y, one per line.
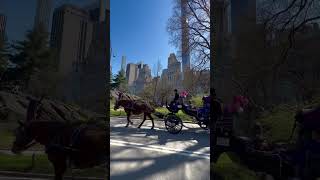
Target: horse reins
pixel 32 143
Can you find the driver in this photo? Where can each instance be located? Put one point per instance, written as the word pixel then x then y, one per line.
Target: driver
pixel 176 96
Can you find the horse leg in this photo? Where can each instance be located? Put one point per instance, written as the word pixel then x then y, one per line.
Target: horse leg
pixel 130 122
pixel 144 118
pixel 59 164
pixel 128 118
pixel 151 118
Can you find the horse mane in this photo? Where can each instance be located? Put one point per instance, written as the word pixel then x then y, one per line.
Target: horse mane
pixel 32 108
pixel 126 96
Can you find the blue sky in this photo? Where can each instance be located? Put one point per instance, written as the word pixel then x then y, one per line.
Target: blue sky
pixel 20 15
pixel 138 31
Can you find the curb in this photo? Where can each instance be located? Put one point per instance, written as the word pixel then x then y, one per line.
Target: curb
pixel 48 176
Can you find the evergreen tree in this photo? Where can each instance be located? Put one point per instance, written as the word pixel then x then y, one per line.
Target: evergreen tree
pixel 119 81
pixel 4 55
pixel 33 54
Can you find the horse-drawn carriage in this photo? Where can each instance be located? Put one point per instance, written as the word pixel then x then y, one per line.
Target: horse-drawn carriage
pixel 133 105
pixel 201 115
pixel 282 160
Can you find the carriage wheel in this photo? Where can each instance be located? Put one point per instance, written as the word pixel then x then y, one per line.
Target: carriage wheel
pixel 173 124
pixel 204 126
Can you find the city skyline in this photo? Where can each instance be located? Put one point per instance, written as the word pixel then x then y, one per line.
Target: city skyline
pixel 141 35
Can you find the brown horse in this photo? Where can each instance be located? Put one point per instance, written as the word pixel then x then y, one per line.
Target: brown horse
pixel 83 144
pixel 136 107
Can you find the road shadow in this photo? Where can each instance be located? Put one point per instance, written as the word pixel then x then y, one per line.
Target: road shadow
pixel 161 164
pixel 165 162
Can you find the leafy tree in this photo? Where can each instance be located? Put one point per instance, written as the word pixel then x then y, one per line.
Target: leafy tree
pixel 119 81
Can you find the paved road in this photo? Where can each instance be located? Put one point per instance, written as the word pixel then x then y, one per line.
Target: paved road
pixel 156 154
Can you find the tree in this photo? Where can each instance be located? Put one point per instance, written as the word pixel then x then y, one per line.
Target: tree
pixel 148 92
pixel 260 71
pixel 34 55
pixel 119 81
pixel 290 21
pixel 4 56
pixel 164 90
pixel 192 18
pixel 196 81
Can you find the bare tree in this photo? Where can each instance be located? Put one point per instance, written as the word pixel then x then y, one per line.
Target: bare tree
pixel 196 81
pixel 287 22
pixel 288 19
pixel 192 18
pixel 258 69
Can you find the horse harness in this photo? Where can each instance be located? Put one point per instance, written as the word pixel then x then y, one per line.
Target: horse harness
pixel 130 106
pixel 56 144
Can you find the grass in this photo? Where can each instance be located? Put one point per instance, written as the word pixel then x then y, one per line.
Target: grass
pixel 197 101
pixel 6 139
pixel 180 114
pixel 115 113
pixel 279 123
pixel 23 163
pixel 230 170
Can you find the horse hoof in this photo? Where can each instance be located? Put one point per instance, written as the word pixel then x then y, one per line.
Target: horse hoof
pixel 139 127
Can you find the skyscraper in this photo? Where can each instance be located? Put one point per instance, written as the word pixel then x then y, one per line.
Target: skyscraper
pixel 43 14
pixel 185 50
pixel 131 73
pixel 71 35
pixel 172 75
pixel 123 63
pixel 81 39
pixel 3 20
pixel 93 71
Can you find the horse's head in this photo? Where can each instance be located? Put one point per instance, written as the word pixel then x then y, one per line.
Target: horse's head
pixel 24 138
pixel 117 104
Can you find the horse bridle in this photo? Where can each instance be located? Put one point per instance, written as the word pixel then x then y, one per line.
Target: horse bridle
pixel 33 141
